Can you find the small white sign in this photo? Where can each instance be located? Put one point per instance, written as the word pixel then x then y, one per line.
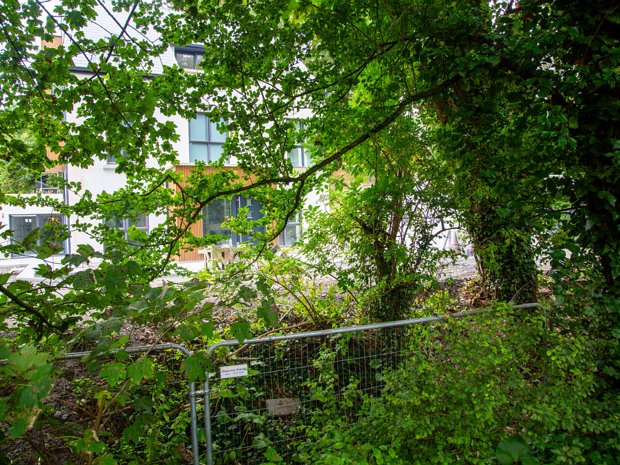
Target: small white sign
pixel 234 371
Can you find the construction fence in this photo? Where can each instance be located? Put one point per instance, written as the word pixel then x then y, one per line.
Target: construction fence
pixel 262 394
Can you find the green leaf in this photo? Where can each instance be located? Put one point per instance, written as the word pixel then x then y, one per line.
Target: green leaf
pixel 82 279
pixel 604 195
pixel 241 330
pixel 194 366
pixel 46 250
pixel 512 451
pixel 493 60
pixel 504 212
pixel 134 374
pixel 86 250
pixel 207 329
pixel 27 358
pixel 265 312
pixel 19 427
pixel 106 460
pixel 141 369
pixel 573 122
pixel 529 460
pixel 246 293
pixel 4 277
pixel 114 373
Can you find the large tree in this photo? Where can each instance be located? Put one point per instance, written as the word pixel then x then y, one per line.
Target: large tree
pixel 504 94
pixel 521 98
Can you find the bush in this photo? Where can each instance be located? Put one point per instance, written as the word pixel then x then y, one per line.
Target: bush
pixel 472 385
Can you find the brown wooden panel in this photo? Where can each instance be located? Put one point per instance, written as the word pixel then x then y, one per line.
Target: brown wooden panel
pixel 196 228
pixel 188 255
pixel 54 43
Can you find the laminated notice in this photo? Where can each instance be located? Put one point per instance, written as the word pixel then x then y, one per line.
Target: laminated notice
pixel 234 371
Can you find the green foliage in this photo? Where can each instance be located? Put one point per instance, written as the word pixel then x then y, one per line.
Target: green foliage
pixel 471 386
pixel 15 178
pixel 26 380
pixel 520 142
pixel 513 451
pixel 301 293
pixel 378 235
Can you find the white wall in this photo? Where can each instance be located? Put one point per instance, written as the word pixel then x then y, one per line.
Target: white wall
pixel 101 176
pixel 106 26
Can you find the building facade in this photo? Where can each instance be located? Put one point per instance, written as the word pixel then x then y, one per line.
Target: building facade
pixel 199 140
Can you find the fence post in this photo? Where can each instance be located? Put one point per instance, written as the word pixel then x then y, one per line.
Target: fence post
pixel 194 422
pixel 207 408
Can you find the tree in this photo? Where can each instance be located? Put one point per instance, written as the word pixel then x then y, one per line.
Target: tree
pixel 350 62
pixel 386 213
pixel 525 124
pixel 15 179
pixel 15 175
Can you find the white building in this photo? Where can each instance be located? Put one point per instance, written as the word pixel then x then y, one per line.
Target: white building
pixel 199 139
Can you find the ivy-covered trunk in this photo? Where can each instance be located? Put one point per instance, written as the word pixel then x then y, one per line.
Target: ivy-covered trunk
pixel 394 302
pixel 505 257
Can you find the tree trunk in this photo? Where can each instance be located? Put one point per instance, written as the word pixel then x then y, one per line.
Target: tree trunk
pixel 505 258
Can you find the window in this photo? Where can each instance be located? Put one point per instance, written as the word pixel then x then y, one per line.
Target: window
pixel 219 210
pixel 124 224
pixel 292 231
pixel 112 159
pixel 253 214
pixel 23 225
pixel 205 141
pixel 190 56
pixel 299 157
pixel 214 215
pixel 46 184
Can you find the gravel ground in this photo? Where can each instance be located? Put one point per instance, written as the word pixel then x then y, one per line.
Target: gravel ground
pixel 464 268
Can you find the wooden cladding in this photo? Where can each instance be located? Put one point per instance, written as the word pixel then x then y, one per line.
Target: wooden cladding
pixel 191 255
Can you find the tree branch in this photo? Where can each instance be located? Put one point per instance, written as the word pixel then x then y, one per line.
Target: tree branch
pixel 98 76
pixel 27 308
pixel 303 177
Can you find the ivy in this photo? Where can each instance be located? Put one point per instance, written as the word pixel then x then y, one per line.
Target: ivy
pixel 473 111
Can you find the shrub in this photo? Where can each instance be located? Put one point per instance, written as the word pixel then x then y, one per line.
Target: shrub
pixel 471 385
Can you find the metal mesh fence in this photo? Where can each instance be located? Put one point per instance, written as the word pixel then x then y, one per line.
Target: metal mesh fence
pixel 265 398
pixel 158 351
pixel 289 385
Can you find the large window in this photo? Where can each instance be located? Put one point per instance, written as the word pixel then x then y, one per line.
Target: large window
pixel 112 159
pixel 292 231
pixel 48 183
pixel 214 215
pixel 218 211
pixel 23 225
pixel 190 56
pixel 205 141
pixel 299 157
pixel 253 214
pixel 139 222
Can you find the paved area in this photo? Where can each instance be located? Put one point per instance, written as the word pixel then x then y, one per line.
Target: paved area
pixel 464 268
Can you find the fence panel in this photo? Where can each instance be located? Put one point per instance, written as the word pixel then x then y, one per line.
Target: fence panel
pixel 264 393
pixel 193 393
pixel 274 388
